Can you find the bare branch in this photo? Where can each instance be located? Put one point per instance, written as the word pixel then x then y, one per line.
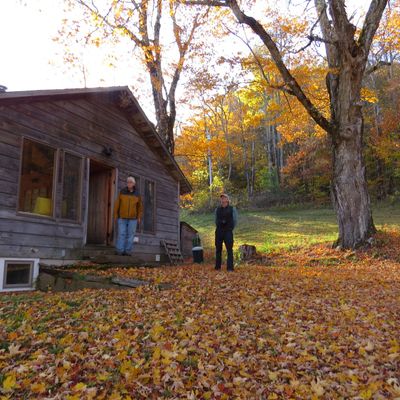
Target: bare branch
pixel 311 36
pixel 257 60
pixel 105 19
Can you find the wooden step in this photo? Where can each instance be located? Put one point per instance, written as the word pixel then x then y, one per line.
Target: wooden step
pixel 173 251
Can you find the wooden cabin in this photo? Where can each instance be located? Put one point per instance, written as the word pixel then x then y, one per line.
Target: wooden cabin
pixel 64 156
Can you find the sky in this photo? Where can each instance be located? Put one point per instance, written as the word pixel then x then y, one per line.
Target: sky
pixel 31 59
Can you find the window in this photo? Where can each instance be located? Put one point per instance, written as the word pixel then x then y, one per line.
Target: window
pixel 71 187
pixel 138 191
pixel 36 183
pixel 18 274
pixel 137 185
pixel 149 207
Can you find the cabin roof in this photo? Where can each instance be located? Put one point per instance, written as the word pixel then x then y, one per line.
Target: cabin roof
pixel 123 97
pixel 190 227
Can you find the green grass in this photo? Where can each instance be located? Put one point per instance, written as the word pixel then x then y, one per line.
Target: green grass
pixel 274 229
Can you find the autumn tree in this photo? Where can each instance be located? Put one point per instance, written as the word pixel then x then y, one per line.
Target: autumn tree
pixel 382 117
pixel 141 22
pixel 347 51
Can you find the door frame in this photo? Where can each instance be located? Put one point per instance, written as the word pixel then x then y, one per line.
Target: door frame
pixel 112 191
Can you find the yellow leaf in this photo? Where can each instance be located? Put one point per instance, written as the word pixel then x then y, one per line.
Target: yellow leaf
pixel 156 331
pixel 156 376
pixel 317 388
pixel 366 394
pixel 157 354
pixel 10 382
pixel 395 346
pixel 128 370
pixel 115 396
pixel 79 387
pixel 66 365
pixel 272 375
pixel 74 397
pixel 103 376
pixel 38 388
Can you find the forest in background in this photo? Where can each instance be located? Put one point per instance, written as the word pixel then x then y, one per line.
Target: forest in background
pixel 249 138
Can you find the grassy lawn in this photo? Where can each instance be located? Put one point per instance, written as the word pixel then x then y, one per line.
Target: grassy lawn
pixel 271 230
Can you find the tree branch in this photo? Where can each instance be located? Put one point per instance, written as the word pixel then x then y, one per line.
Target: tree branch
pixel 266 38
pixel 127 31
pixel 311 37
pixel 257 60
pixel 288 78
pixel 327 33
pixel 371 24
pixel 343 28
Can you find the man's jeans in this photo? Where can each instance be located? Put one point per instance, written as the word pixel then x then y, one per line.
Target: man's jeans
pixel 126 234
pixel 222 236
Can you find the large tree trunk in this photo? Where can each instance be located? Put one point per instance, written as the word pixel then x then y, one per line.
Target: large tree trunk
pixel 350 193
pixel 349 189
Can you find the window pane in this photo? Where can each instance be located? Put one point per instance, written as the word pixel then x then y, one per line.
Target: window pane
pixel 149 209
pixel 18 274
pixel 36 187
pixel 71 187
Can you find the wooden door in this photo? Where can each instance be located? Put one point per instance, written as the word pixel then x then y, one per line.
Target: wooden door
pixel 100 214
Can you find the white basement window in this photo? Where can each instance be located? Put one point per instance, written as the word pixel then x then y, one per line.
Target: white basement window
pixel 18 274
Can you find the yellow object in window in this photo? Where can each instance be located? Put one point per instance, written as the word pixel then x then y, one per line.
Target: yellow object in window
pixel 42 206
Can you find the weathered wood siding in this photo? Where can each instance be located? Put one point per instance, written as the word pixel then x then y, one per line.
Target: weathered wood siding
pixel 187 235
pixel 83 126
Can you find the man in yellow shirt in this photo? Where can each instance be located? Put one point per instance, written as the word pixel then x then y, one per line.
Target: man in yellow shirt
pixel 128 211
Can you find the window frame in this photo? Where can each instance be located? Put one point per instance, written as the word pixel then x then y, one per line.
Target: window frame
pixel 54 188
pixel 79 219
pixel 154 231
pixel 139 190
pixel 18 286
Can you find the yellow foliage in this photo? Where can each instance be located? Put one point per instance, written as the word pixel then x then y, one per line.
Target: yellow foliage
pixel 10 382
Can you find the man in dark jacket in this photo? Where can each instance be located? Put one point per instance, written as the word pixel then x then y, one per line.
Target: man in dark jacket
pixel 225 221
pixel 128 212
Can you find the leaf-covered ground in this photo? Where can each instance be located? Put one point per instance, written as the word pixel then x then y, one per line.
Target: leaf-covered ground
pixel 313 323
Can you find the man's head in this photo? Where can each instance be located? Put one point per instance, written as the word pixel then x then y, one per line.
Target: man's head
pixel 224 199
pixel 130 182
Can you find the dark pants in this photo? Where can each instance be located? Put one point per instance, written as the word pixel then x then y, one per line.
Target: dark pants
pixel 223 236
